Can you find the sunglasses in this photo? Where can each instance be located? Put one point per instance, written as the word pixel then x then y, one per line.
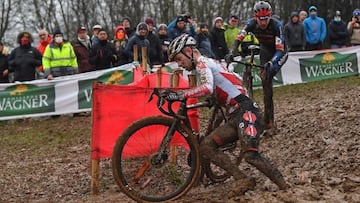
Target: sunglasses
pixel 41 35
pixel 263 17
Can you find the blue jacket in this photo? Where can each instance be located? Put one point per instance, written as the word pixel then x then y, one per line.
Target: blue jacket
pixel 314 34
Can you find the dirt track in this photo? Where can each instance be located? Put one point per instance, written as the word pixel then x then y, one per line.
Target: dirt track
pixel 317 149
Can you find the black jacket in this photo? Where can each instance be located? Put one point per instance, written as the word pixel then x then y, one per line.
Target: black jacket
pixel 165 42
pixel 294 35
pixel 23 61
pixel 102 55
pixel 3 66
pixel 338 33
pixel 155 52
pixel 218 44
pixel 140 41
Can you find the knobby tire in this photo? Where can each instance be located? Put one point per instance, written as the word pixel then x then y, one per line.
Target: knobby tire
pixel 143 181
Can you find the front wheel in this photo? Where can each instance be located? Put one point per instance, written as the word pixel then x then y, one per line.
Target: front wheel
pixel 140 173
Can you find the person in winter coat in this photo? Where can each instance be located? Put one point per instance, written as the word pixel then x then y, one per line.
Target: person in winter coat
pixel 203 43
pixel 180 27
pixel 231 30
pixel 164 39
pixel 315 30
pixel 82 46
pixel 24 59
pixel 103 54
pixel 217 39
pixel 354 28
pixel 44 39
pixel 294 33
pixel 338 33
pixel 155 55
pixel 120 41
pixel 59 58
pixel 4 64
pixel 139 39
pixel 130 30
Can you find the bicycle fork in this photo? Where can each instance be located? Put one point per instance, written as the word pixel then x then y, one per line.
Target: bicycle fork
pixel 162 155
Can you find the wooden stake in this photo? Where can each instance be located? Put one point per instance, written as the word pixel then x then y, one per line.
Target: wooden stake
pixel 136 52
pixel 192 80
pixel 95 176
pixel 144 59
pixel 158 77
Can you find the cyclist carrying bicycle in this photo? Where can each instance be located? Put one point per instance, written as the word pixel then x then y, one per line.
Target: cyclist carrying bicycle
pixel 245 121
pixel 273 52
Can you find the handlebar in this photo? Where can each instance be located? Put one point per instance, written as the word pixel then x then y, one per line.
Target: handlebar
pixel 170 111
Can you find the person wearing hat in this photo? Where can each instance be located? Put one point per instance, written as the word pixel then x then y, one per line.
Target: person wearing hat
pixel 126 22
pixel 103 54
pixel 162 32
pixel 338 33
pixel 24 59
pixel 294 33
pixel 202 38
pixel 155 55
pixel 120 41
pixel 82 46
pixel 95 31
pixel 315 30
pixel 217 39
pixel 59 58
pixel 139 39
pixel 4 64
pixel 302 15
pixel 183 24
pixel 354 28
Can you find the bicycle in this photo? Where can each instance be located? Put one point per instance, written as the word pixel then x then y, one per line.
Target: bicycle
pixel 247 74
pixel 171 163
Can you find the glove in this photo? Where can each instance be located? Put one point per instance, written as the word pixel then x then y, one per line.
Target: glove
pixel 268 66
pixel 172 95
pixel 271 69
pixel 229 58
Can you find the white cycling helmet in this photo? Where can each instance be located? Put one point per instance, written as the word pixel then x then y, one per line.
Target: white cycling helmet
pixel 177 45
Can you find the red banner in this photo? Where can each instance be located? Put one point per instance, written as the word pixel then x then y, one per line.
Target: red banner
pixel 115 107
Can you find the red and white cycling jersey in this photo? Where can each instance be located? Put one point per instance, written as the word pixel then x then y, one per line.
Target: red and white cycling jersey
pixel 214 79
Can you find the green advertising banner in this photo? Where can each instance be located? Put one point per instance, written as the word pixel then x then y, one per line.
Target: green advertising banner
pixel 121 77
pixel 22 99
pixel 328 65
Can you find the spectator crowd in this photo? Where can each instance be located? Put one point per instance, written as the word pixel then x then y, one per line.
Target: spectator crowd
pixel 56 56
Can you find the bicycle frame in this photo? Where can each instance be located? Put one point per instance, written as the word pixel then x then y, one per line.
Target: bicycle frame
pixel 180 116
pixel 247 74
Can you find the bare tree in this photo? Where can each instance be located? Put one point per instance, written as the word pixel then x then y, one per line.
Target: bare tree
pixel 6 14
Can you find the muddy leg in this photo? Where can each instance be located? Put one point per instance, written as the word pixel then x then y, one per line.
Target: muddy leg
pixel 265 166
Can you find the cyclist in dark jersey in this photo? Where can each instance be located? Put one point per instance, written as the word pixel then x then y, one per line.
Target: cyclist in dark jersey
pixel 273 52
pixel 245 121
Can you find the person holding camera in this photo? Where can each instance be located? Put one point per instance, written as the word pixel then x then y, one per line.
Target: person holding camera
pixel 354 28
pixel 183 24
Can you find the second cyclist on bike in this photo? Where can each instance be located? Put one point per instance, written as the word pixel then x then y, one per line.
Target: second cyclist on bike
pixel 273 52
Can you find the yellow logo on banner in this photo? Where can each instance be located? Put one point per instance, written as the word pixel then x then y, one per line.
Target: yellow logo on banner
pixel 328 58
pixel 19 90
pixel 115 78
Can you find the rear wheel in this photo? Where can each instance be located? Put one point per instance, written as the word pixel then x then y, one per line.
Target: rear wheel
pixel 138 171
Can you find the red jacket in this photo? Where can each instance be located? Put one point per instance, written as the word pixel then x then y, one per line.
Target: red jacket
pixel 42 46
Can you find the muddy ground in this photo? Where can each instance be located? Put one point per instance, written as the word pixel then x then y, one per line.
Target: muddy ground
pixel 317 149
